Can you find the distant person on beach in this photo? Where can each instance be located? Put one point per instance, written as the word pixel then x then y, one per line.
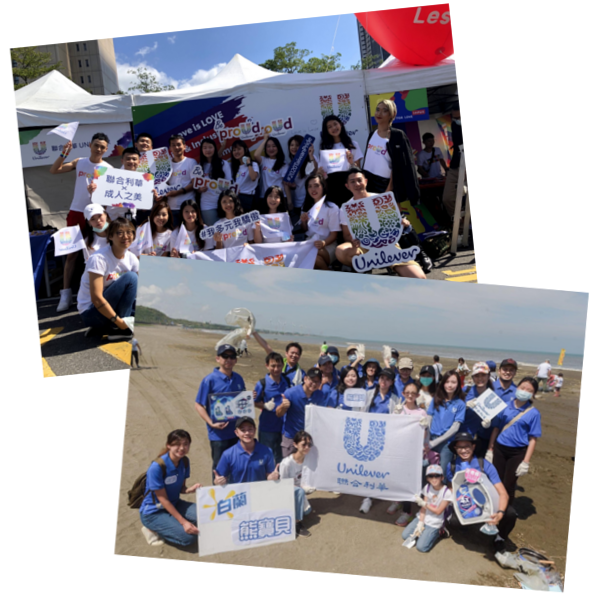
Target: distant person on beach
pixel 136 351
pixel 428 385
pixel 439 368
pixel 504 386
pixel 291 362
pixel 542 374
pixel 463 370
pixel 221 434
pixel 349 378
pixel 558 385
pixel 164 516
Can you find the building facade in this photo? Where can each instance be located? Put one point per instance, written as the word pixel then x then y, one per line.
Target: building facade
pixel 370 48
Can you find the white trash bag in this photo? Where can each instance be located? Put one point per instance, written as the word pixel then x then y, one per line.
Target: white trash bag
pixel 246 323
pixel 387 354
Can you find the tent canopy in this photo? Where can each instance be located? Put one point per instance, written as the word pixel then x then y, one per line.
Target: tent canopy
pixel 53 99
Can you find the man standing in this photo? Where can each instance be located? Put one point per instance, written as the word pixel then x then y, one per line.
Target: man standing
pixel 136 350
pixel 181 175
pixel 504 386
pixel 437 365
pixel 329 378
pixel 143 143
pixel 81 198
pixel 430 161
pixel 221 434
pixel 291 362
pixel 543 372
pixel 403 376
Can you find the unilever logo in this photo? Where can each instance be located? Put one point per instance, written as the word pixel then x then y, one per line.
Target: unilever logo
pixel 41 149
pixel 375 439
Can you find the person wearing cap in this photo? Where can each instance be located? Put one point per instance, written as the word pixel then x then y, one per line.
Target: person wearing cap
pixel 293 403
pixel 473 424
pixel 504 386
pixel 249 460
pixel 109 284
pixel 395 357
pixel 95 234
pixel 492 365
pixel 334 353
pixel 355 359
pixel 291 362
pixel 427 379
pixel 439 368
pixel 463 451
pixel 403 375
pixel 371 368
pixel 435 497
pixel 221 434
pixel 329 378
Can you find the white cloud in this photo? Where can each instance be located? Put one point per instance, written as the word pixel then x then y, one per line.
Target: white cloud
pixel 200 76
pixel 143 51
pixel 149 295
pixel 171 38
pixel 181 289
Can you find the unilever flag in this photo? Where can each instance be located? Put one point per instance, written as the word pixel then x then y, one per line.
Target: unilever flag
pixel 365 454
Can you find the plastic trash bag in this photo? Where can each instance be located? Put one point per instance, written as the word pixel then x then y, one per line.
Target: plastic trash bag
pixel 387 354
pixel 246 323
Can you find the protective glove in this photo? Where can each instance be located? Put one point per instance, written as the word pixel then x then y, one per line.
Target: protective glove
pixel 522 469
pixel 420 501
pixel 307 489
pixel 471 403
pixel 419 529
pixel 486 423
pixel 270 405
pixel 424 422
pixel 489 456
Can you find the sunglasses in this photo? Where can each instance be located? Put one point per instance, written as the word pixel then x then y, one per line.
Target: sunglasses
pixel 434 475
pixel 229 356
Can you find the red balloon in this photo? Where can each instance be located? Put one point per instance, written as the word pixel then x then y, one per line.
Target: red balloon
pixel 421 35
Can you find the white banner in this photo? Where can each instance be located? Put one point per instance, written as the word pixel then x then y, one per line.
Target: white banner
pixel 126 189
pixel 299 255
pixel 68 240
pixel 157 162
pixel 365 454
pixel 143 239
pixel 230 225
pixel 489 405
pixel 39 150
pixel 276 227
pixel 245 515
pixel 66 130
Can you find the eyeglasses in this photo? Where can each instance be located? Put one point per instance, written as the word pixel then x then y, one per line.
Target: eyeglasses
pixel 434 475
pixel 411 394
pixel 125 233
pixel 229 356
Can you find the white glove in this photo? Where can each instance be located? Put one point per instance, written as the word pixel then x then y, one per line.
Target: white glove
pixel 420 501
pixel 472 403
pixel 486 423
pixel 270 405
pixel 522 469
pixel 489 456
pixel 307 489
pixel 420 529
pixel 424 422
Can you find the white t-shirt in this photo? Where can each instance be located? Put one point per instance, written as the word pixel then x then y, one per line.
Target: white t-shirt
pixel 423 157
pixel 97 244
pixel 188 243
pixel 210 198
pixel 238 237
pixel 290 469
pixel 435 498
pixel 84 169
pixel 181 175
pixel 424 399
pixel 161 242
pixel 299 192
pixel 544 369
pixel 356 153
pixel 378 160
pixel 558 382
pixel 328 220
pixel 274 228
pixel 105 263
pixel 134 345
pixel 438 371
pixel 269 177
pixel 245 184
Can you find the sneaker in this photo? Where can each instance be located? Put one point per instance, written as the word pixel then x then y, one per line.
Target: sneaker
pixel 393 507
pixel 301 531
pixel 95 332
pixel 444 533
pixel 365 507
pixel 151 537
pixel 66 299
pixel 121 335
pixel 403 519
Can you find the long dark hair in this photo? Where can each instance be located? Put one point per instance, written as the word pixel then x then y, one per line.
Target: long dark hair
pixel 341 386
pixel 199 223
pixel 377 387
pixel 327 142
pixel 235 163
pixel 262 205
pixel 280 158
pixel 308 200
pixel 175 436
pixel 299 139
pixel 90 233
pixel 440 394
pixel 155 209
pixel 237 205
pixel 216 162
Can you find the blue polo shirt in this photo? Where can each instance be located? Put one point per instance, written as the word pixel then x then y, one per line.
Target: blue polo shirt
pixel 268 420
pixel 291 371
pixel 368 386
pixel 488 468
pixel 243 467
pixel 399 385
pixel 335 399
pixel 358 367
pixel 172 483
pixel 216 383
pixel 294 417
pixel 506 394
pixel 381 405
pixel 445 415
pixel 327 388
pixel 518 434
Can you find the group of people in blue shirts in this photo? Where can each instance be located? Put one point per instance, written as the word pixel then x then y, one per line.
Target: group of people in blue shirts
pixel 455 437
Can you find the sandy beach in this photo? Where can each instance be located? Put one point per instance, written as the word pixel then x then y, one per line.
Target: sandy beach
pixel 161 398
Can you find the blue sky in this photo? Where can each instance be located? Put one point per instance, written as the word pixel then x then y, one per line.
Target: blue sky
pixel 188 58
pixel 368 307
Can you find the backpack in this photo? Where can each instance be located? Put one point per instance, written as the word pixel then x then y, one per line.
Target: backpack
pixel 263 384
pixel 137 493
pixel 436 245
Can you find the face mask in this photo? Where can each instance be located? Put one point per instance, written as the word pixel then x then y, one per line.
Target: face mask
pixel 523 396
pixel 334 358
pixel 96 230
pixel 426 380
pixel 352 357
pixel 393 362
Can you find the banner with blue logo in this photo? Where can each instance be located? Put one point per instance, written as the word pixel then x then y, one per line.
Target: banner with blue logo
pixel 364 454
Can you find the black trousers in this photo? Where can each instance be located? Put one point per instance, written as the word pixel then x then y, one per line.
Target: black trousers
pixel 506 461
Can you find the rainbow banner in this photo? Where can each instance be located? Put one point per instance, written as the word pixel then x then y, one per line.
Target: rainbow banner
pixel 412 105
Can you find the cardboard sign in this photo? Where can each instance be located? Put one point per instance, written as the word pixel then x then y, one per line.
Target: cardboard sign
pixel 489 405
pixel 228 406
pixel 66 130
pixel 199 181
pixel 355 397
pixel 123 189
pixel 299 158
pixel 245 515
pixel 334 161
pixel 230 225
pixel 158 163
pixel 68 240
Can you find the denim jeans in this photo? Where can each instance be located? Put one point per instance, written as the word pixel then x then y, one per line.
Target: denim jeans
pixel 209 216
pixel 445 455
pixel 272 439
pixel 299 499
pixel 426 540
pixel 168 528
pixel 121 297
pixel 217 447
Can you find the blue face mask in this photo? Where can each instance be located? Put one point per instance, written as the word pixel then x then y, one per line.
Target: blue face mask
pixel 426 380
pixel 96 230
pixel 352 357
pixel 523 396
pixel 334 358
pixel 393 362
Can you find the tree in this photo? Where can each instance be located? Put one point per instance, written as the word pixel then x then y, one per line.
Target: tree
pixel 147 82
pixel 289 59
pixel 29 64
pixel 370 62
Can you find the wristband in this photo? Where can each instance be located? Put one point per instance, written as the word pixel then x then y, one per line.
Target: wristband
pixel 498 511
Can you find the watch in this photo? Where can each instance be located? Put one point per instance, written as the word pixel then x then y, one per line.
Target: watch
pixel 114 319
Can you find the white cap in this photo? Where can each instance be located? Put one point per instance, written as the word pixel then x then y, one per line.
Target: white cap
pixel 92 209
pixel 434 470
